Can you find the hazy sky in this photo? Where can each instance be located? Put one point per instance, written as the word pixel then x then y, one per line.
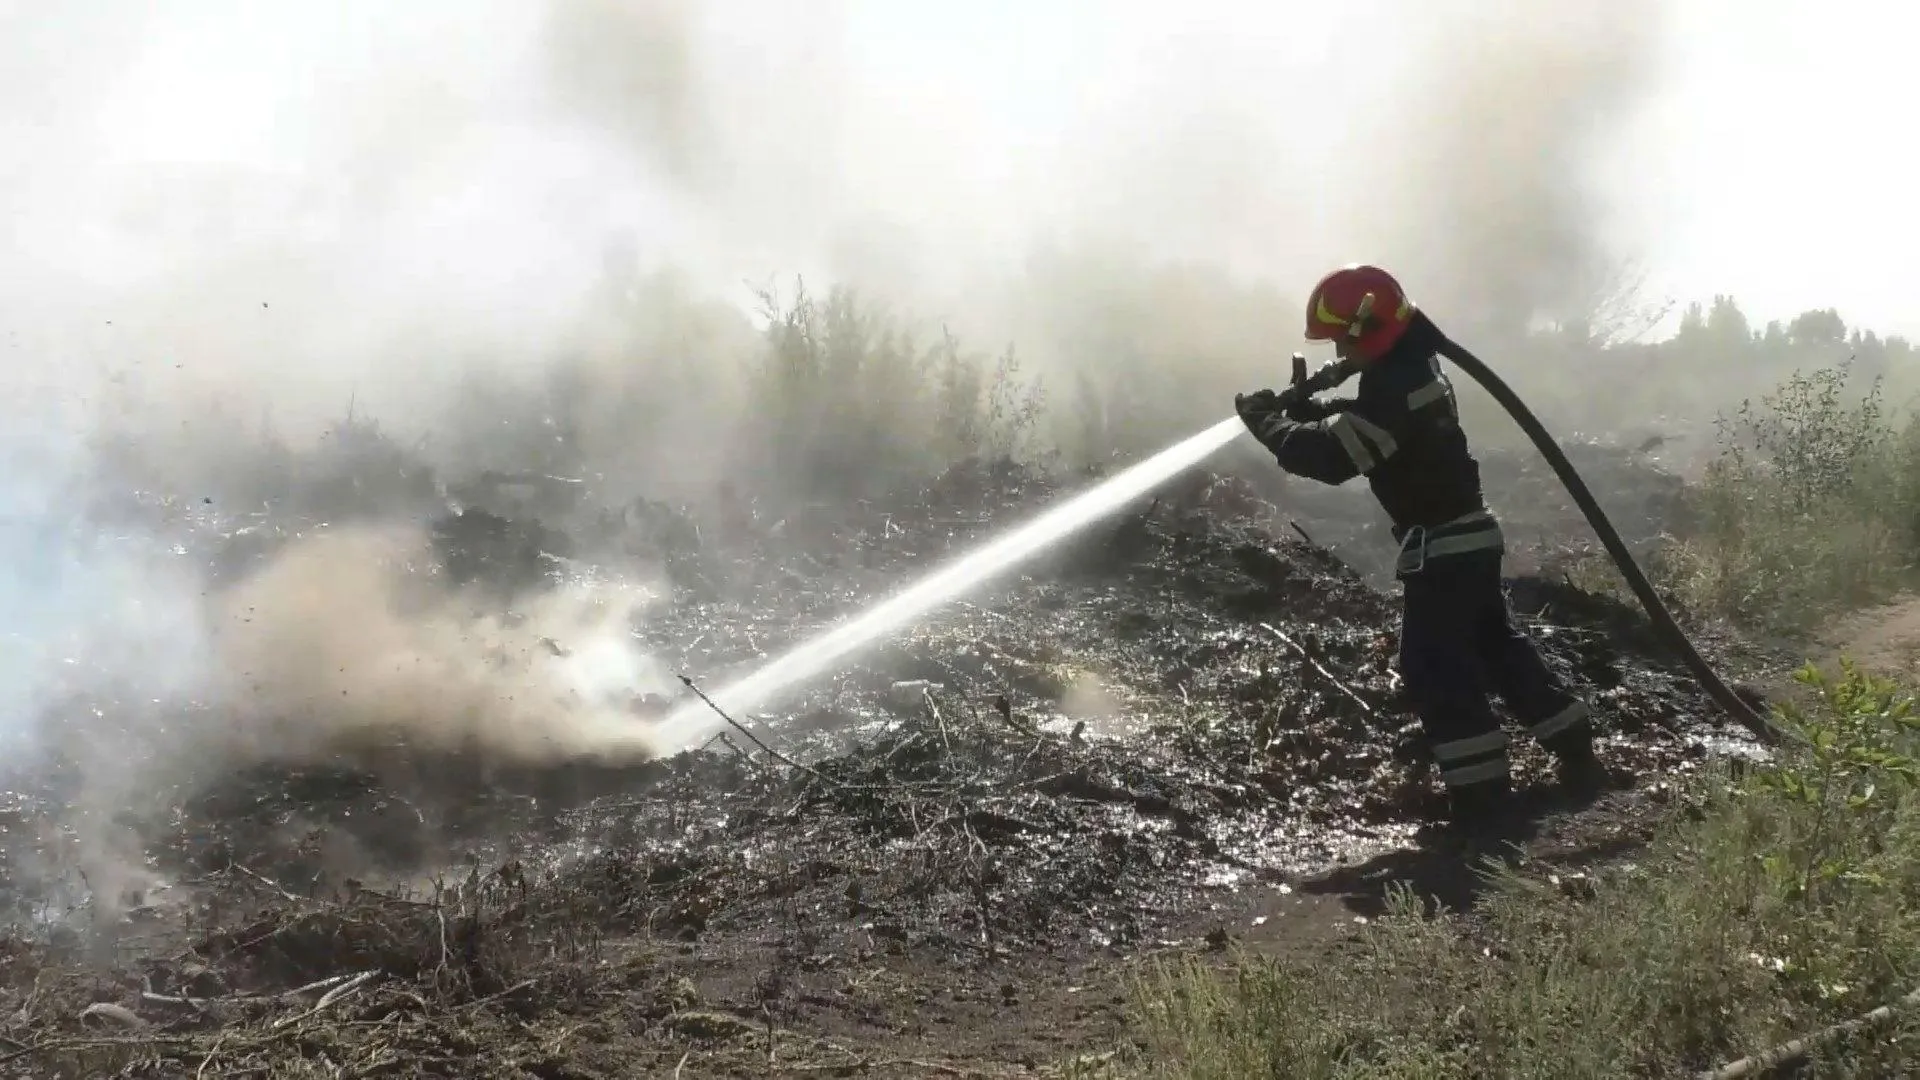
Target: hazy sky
pixel 1771 160
pixel 404 164
pixel 1833 220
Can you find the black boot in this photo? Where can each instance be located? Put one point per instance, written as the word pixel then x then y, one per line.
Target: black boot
pixel 1581 772
pixel 1485 807
pixel 1486 821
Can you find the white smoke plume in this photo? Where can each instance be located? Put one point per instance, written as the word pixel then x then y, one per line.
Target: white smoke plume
pixel 338 646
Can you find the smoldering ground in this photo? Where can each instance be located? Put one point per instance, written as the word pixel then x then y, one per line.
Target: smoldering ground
pixel 238 224
pixel 344 645
pixel 338 645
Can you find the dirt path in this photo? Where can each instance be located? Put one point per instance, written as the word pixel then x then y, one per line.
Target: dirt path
pixel 1884 640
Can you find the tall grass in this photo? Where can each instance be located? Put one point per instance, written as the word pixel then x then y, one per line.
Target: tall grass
pixel 848 400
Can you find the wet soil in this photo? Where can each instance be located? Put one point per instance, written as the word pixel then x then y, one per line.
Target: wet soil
pixel 1178 731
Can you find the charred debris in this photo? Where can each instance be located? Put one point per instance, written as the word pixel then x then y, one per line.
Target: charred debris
pixel 1187 698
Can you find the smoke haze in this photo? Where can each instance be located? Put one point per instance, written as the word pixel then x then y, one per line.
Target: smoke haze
pixel 329 649
pixel 235 217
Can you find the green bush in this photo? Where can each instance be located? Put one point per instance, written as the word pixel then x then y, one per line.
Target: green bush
pixel 1790 901
pixel 1809 508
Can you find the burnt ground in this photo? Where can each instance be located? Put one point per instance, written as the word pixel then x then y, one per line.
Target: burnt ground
pixel 1178 731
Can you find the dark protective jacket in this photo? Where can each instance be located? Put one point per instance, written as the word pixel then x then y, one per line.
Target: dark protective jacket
pixel 1401 430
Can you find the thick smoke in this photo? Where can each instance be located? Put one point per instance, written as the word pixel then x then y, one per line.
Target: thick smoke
pixel 1500 123
pixel 235 221
pixel 338 646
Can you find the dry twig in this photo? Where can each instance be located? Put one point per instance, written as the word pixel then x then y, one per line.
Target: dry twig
pixel 770 751
pixel 329 999
pixel 933 707
pixel 1319 667
pixel 270 883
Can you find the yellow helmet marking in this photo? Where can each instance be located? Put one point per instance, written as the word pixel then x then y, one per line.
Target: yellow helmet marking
pixel 1321 313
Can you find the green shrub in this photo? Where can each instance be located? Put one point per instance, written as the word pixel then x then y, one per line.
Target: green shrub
pixel 1809 507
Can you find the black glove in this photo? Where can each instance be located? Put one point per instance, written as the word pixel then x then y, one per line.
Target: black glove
pixel 1261 406
pixel 1257 404
pixel 1257 410
pixel 1305 410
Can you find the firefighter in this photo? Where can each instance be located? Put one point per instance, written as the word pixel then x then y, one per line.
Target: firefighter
pixel 1458 641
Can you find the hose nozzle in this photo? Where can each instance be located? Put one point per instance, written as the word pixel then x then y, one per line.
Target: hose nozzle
pixel 1305 386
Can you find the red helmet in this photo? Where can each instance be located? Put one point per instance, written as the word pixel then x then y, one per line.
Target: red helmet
pixel 1362 305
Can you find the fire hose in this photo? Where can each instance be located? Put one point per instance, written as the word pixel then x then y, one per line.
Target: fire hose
pixel 1763 727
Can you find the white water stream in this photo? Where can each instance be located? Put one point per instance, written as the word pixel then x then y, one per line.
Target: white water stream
pixel 695 721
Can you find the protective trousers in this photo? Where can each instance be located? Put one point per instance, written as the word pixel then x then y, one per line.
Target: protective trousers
pixel 1457 644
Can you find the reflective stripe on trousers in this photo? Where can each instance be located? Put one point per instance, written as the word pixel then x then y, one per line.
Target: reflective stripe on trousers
pixel 1421 543
pixel 1476 759
pixel 1458 647
pixel 1545 730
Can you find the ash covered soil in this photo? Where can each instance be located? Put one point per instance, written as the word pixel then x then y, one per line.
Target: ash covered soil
pixel 936 861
